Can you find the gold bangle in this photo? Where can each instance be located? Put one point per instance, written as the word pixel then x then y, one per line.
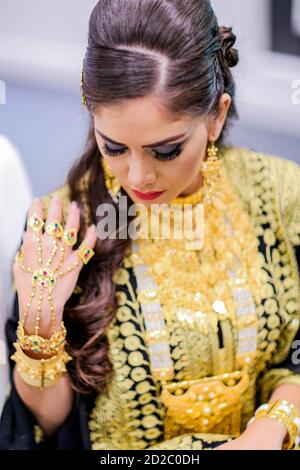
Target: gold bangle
pixel 38 344
pixel 285 413
pixel 40 373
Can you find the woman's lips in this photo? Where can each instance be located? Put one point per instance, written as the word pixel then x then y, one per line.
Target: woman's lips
pixel 148 196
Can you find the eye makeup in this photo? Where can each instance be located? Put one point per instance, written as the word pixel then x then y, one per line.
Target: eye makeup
pixel 161 156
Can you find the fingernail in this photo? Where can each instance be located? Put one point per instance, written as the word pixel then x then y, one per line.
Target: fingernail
pixel 74 204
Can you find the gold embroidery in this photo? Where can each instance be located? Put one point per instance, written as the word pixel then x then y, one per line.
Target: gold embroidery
pixel 269 191
pixel 276 377
pixel 269 187
pixel 191 442
pixel 196 297
pixel 38 434
pixel 212 405
pixel 245 169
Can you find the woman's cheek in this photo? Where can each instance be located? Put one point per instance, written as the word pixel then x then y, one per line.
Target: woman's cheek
pixel 190 166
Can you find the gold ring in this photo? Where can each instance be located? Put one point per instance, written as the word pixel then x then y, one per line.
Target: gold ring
pixel 85 253
pixel 54 229
pixel 70 237
pixel 35 222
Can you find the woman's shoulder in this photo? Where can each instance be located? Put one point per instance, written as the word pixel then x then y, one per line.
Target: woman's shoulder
pixel 256 173
pixel 247 160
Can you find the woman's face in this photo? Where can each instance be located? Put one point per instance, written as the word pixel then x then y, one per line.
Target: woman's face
pixel 129 136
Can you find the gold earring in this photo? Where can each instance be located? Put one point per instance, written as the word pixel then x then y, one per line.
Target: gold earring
pixel 210 169
pixel 112 184
pixel 212 151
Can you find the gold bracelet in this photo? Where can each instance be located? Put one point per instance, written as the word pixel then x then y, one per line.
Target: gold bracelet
pixel 285 413
pixel 40 373
pixel 38 344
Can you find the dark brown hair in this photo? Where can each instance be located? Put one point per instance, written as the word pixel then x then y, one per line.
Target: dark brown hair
pixel 175 51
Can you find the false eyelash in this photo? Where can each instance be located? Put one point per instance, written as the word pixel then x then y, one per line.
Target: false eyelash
pixel 163 157
pixel 113 153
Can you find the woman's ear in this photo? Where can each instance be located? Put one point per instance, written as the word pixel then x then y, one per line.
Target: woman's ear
pixel 218 122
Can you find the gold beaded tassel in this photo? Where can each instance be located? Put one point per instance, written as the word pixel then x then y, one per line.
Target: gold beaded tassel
pixel 112 184
pixel 54 230
pixel 38 315
pixel 211 172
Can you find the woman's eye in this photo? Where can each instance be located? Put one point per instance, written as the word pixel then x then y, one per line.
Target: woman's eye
pixel 167 156
pixel 161 156
pixel 113 152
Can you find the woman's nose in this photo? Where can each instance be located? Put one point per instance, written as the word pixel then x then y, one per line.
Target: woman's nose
pixel 141 175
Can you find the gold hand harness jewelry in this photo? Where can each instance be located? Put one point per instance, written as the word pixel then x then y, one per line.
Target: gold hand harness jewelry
pixel 46 277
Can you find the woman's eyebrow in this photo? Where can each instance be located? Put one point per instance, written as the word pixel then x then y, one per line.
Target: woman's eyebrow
pixel 165 141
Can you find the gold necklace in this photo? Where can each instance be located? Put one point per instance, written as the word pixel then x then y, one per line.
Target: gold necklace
pixel 197 287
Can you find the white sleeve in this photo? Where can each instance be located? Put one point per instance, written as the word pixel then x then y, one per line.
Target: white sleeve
pixel 15 199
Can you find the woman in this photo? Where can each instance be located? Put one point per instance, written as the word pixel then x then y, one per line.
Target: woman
pixel 172 343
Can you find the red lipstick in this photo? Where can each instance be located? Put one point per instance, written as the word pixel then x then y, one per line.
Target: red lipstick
pixel 148 196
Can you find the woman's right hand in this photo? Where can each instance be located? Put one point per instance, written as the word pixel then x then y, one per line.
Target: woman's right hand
pixel 65 285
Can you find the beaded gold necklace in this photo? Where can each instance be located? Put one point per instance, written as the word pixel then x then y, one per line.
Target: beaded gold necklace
pixel 197 287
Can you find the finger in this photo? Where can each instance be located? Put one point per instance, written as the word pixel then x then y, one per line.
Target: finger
pixel 30 243
pixel 35 208
pixel 54 215
pixel 73 221
pixel 54 211
pixel 90 239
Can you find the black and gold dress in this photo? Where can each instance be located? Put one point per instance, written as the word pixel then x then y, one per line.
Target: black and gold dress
pixel 202 335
